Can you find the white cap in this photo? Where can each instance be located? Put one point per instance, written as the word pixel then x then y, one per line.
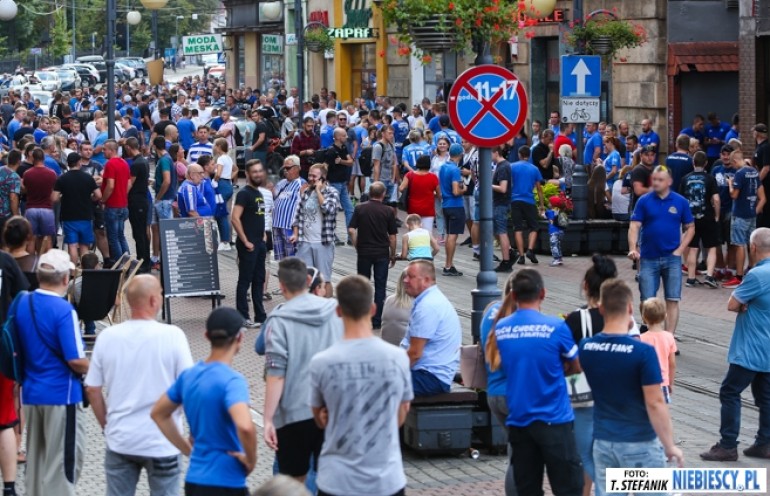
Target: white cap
pixel 55 261
pixel 127 98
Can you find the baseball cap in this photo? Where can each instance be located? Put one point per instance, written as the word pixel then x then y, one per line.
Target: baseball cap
pixel 444 120
pixel 224 322
pixel 73 158
pixel 455 150
pixel 55 261
pixel 556 202
pixel 761 128
pixel 649 149
pixel 127 98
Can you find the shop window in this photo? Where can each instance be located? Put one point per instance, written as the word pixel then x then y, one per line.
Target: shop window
pixel 440 74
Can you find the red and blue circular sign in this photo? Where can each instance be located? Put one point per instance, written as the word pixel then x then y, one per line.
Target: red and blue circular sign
pixel 487 105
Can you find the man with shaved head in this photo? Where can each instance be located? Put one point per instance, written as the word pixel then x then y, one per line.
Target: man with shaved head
pixel 160 352
pixel 115 179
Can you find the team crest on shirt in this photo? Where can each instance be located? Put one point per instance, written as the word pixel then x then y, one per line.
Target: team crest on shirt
pixel 672 210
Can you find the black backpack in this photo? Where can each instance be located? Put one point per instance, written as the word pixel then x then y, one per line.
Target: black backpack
pixel 365 161
pixel 237 136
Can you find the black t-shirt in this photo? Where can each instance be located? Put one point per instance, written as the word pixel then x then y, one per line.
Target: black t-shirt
pixel 160 127
pixel 259 129
pixel 140 170
pixel 640 174
pixel 144 111
pixel 253 217
pixel 699 188
pixel 13 281
pixel 540 152
pixel 76 188
pixel 338 173
pixel 502 173
pixel 575 324
pixel 84 117
pixel 762 159
pixel 375 222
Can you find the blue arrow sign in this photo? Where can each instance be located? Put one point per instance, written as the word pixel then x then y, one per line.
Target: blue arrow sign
pixel 581 76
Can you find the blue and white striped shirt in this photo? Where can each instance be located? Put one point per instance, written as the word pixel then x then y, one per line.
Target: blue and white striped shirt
pixel 198 149
pixel 285 203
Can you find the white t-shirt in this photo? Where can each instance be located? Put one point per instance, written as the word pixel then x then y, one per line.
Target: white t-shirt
pixel 267 197
pixel 620 202
pixel 227 166
pixel 136 362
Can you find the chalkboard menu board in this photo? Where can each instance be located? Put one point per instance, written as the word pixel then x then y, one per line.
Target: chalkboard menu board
pixel 189 256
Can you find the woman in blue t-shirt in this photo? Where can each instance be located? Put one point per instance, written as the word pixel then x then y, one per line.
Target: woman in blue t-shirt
pixel 612 163
pixel 496 383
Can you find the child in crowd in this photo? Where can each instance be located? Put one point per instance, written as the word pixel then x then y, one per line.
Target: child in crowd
pixel 555 232
pixel 418 243
pixel 654 315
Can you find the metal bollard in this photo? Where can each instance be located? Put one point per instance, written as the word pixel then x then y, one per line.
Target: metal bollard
pixel 579 193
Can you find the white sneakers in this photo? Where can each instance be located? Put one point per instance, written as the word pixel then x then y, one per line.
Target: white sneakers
pixel 224 247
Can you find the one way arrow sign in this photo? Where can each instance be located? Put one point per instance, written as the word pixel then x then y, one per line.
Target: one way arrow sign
pixel 581 76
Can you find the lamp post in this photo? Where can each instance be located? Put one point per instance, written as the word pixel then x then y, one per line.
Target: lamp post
pixel 8 10
pixel 299 30
pixel 110 63
pixel 580 174
pixel 176 31
pixel 154 6
pixel 132 19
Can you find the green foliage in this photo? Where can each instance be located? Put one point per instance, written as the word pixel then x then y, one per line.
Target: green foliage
pixel 621 33
pixel 60 36
pixel 318 37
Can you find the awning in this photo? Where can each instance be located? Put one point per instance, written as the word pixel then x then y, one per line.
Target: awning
pixel 710 56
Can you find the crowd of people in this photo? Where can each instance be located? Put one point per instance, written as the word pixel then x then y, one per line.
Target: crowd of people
pixel 178 151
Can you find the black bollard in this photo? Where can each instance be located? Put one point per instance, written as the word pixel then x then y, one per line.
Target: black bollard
pixel 579 193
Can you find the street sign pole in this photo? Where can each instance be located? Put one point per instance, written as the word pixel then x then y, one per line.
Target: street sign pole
pixel 487 106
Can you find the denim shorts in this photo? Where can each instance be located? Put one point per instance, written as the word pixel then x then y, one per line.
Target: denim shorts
pixel 78 232
pixel 162 210
pixel 741 229
pixel 475 217
pixel 652 270
pixel 42 221
pixel 607 454
pixel 501 219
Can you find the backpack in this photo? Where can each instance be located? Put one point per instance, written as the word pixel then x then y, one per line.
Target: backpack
pixel 695 193
pixel 237 136
pixel 562 220
pixel 577 384
pixel 11 357
pixel 365 161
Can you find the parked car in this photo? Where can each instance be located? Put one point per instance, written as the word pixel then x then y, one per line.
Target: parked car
pixel 45 98
pixel 85 76
pixel 218 71
pixel 48 80
pixel 98 62
pixel 127 72
pixel 136 63
pixel 69 78
pixel 240 151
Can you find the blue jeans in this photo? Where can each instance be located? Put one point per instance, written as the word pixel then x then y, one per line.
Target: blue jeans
pixel 379 266
pixel 114 224
pixel 224 188
pixel 347 205
pixel 652 270
pixel 123 471
pixel 645 454
pixel 426 384
pixel 584 438
pixel 555 239
pixel 734 383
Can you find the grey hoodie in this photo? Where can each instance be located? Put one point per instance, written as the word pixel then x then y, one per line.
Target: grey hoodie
pixel 294 333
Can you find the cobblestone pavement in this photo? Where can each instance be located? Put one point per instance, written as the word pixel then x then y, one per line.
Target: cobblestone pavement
pixel 704 333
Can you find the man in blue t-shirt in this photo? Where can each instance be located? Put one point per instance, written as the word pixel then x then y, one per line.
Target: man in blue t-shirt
pixel 400 132
pixel 327 129
pixel 696 130
pixel 648 136
pixel 679 162
pixel 660 215
pixel 593 146
pixel 525 178
pixel 416 148
pixel 215 399
pixel 749 358
pixel 446 132
pixel 452 190
pixel 722 171
pixel 631 417
pixel 536 351
pixel 51 392
pixel 748 196
pixel 715 132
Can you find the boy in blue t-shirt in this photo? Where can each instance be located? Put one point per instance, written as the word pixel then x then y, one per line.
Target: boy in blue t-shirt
pixel 216 403
pixel 555 232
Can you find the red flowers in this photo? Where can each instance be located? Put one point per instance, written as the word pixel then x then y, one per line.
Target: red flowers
pixel 427 59
pixel 404 50
pixel 451 5
pixel 529 35
pixel 381 53
pixel 458 22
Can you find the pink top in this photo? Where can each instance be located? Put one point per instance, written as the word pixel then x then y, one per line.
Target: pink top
pixel 665 346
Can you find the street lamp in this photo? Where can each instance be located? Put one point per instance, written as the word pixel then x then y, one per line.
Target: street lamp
pixel 154 6
pixel 8 10
pixel 176 29
pixel 132 19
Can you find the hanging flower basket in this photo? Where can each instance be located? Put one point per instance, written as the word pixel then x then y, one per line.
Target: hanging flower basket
pixel 436 25
pixel 601 45
pixel 316 38
pixel 605 36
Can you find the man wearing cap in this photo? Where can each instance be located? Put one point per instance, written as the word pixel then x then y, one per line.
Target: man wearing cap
pixel 161 352
pixel 51 392
pixel 452 190
pixel 215 399
pixel 76 190
pixel 637 182
pixel 446 132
